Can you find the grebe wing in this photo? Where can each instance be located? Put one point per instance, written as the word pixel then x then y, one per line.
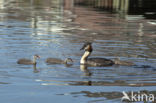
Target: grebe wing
pixel 24 61
pixel 100 61
pixel 54 60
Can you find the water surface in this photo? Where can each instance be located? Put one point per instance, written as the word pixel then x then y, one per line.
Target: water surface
pixel 50 30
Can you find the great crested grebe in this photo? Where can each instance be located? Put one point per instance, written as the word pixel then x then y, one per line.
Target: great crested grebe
pixel 117 61
pixel 28 61
pixel 93 61
pixel 58 61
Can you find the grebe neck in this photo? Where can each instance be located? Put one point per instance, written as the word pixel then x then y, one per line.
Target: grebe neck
pixel 34 59
pixel 84 57
pixel 65 61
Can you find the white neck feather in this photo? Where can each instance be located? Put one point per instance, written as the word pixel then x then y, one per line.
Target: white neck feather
pixel 34 59
pixel 84 57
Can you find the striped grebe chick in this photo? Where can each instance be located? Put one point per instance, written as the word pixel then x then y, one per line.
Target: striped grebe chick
pixel 58 61
pixel 117 61
pixel 28 61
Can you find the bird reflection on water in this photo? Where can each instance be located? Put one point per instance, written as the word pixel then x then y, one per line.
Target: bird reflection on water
pixel 84 68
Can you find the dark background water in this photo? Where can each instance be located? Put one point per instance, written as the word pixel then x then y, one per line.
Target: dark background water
pixel 53 28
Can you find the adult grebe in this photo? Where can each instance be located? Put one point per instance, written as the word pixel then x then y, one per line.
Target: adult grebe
pixel 28 61
pixel 58 61
pixel 93 61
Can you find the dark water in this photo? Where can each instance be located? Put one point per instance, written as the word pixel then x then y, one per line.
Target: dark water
pixel 50 30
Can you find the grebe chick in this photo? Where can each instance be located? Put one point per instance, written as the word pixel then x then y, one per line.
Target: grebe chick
pixel 28 61
pixel 120 62
pixel 59 61
pixel 93 61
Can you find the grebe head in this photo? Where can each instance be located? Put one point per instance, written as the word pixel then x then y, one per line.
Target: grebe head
pixel 36 56
pixel 68 60
pixel 117 60
pixel 87 47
